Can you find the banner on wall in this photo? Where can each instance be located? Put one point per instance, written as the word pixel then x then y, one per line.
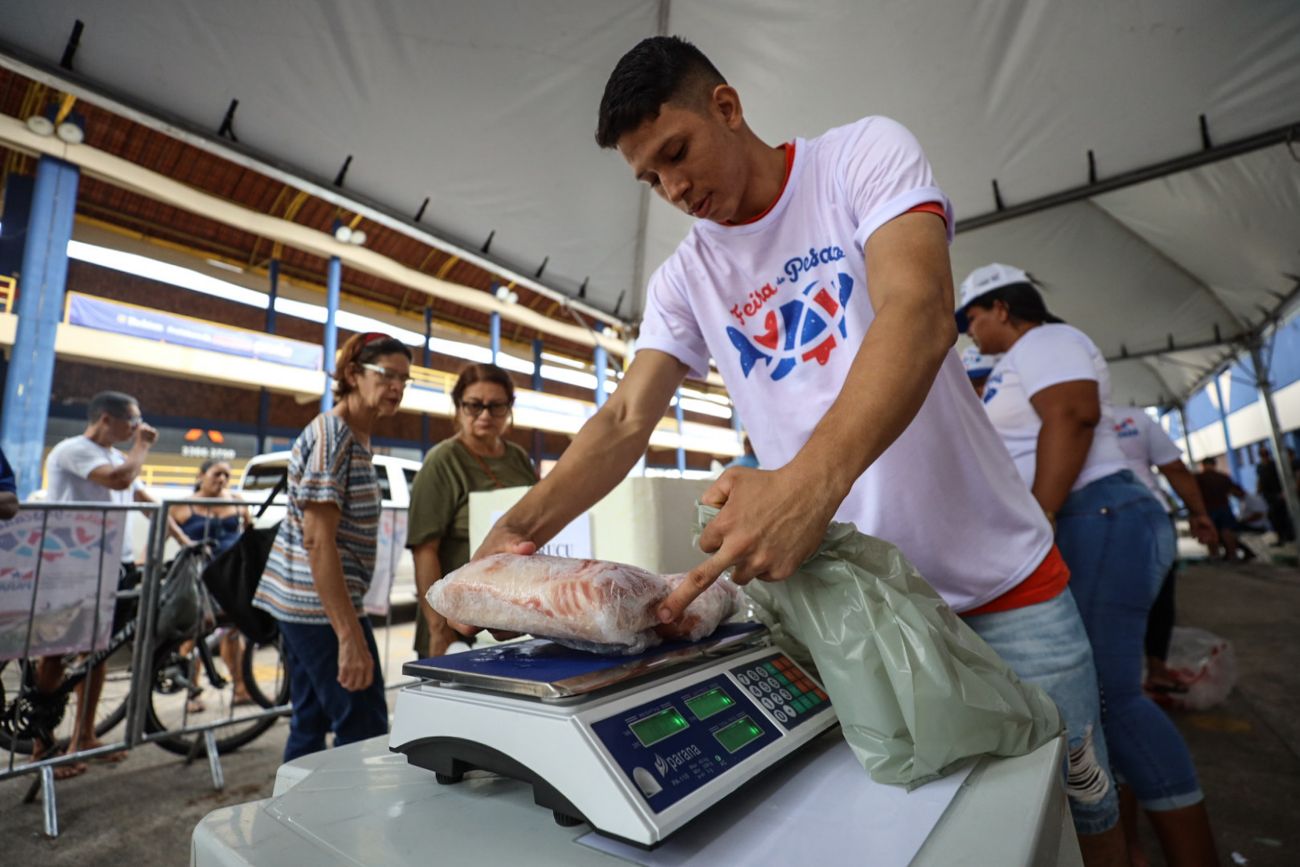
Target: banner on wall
pixel 389 551
pixel 58 574
pixel 102 314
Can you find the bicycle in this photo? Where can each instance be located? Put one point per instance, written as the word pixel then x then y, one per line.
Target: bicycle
pixel 28 715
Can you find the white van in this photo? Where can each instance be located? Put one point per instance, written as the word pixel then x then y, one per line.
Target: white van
pixel 396 476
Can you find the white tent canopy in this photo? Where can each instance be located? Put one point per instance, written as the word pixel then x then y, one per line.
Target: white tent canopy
pixel 488 108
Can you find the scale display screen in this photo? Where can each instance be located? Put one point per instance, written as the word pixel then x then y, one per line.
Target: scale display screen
pixel 739 733
pixel 711 702
pixel 653 729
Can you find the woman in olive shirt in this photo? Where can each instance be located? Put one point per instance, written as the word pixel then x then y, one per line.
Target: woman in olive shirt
pixel 475 459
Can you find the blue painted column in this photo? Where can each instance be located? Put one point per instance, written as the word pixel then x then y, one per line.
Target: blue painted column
pixel 426 361
pixel 264 399
pixel 1227 440
pixel 681 448
pixel 601 361
pixel 334 278
pixel 41 286
pixel 494 335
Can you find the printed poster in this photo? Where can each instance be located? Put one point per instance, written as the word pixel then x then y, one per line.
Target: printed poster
pixel 57 586
pixel 391 545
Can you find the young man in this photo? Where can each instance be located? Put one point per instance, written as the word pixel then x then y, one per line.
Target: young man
pixel 817 276
pixel 88 469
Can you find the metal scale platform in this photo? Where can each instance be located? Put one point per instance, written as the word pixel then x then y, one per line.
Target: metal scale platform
pixel 636 746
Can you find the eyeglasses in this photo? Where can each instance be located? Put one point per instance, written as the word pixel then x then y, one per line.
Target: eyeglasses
pixel 132 422
pixel 389 376
pixel 497 409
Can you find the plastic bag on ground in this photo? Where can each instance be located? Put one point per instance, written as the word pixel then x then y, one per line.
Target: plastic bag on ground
pixel 591 605
pixel 917 692
pixel 1202 662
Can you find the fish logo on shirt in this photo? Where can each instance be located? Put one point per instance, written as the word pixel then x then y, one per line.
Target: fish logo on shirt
pixel 1127 428
pixel 797 331
pixel 991 387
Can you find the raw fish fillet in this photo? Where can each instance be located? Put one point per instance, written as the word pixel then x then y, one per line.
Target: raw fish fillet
pixel 592 605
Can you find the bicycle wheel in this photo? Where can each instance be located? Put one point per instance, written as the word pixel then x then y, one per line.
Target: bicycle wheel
pixel 22 714
pixel 178 701
pixel 266 677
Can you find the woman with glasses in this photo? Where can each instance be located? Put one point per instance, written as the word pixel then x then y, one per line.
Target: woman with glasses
pixel 324 554
pixel 476 458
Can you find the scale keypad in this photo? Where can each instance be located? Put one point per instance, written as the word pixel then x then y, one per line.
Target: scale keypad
pixel 781 687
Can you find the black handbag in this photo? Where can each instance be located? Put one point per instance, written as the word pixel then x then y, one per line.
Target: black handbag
pixel 232 577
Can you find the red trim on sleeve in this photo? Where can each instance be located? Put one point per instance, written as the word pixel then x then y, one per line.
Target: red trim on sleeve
pixel 1046 582
pixel 931 208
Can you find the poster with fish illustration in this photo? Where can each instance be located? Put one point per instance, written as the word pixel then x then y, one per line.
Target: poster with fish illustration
pixel 58 576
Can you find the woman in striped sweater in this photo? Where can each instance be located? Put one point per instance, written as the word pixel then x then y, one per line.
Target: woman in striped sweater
pixel 324 554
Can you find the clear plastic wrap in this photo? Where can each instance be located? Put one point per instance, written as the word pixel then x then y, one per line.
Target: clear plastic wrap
pixel 591 605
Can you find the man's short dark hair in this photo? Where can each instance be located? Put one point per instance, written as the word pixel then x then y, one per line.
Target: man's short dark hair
pixel 115 403
pixel 658 70
pixel 1208 462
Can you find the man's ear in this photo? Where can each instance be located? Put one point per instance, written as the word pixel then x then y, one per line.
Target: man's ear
pixel 726 102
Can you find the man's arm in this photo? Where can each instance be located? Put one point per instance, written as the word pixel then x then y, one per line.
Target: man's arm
pixel 1184 485
pixel 1070 412
pixel 120 477
pixel 600 456
pixel 771 521
pixel 8 505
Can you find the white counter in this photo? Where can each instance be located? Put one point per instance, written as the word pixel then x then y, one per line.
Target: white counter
pixel 362 804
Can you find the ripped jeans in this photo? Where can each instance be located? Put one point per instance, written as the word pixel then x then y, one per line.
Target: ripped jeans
pixel 1046 645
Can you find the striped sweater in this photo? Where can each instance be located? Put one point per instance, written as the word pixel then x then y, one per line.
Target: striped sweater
pixel 328 465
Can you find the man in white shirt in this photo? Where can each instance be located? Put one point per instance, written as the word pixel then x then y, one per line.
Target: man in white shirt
pixel 88 469
pixel 817 276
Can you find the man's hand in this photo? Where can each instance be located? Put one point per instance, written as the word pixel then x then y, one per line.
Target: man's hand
pixel 502 539
pixel 145 436
pixel 769 523
pixel 1203 529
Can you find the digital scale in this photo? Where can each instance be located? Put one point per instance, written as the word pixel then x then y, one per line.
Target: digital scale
pixel 636 746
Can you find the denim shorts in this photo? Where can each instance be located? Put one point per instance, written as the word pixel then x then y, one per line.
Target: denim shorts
pixel 1045 644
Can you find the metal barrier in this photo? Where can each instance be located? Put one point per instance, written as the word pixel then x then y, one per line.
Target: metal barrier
pixel 163 681
pixel 47 554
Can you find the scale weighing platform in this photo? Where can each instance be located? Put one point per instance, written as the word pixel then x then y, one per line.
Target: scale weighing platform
pixel 636 746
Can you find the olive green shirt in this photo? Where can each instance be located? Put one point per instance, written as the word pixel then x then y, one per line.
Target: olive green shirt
pixel 440 495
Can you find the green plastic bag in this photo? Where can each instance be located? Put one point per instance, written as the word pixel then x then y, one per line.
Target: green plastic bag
pixel 917 692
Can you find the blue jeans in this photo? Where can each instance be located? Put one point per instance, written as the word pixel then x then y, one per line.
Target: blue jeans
pixel 320 704
pixel 1118 543
pixel 1045 644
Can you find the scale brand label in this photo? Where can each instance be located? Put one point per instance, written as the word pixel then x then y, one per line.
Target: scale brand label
pixel 676 760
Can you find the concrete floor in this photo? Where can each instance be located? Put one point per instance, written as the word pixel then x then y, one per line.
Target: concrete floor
pixel 1247 750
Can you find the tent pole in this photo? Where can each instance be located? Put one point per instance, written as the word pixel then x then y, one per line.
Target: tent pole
pixel 1286 472
pixel 1227 438
pixel 1187 436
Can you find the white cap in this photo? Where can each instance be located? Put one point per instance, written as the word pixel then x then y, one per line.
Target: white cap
pixel 977 364
pixel 983 280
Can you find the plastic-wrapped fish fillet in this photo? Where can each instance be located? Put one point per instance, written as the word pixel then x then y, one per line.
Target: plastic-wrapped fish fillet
pixel 592 605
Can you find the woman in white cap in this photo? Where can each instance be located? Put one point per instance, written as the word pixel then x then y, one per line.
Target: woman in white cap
pixel 1048 397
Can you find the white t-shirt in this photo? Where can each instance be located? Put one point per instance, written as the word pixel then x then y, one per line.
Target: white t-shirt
pixel 68 467
pixel 1045 356
pixel 1145 445
pixel 781 304
pixel 1254 505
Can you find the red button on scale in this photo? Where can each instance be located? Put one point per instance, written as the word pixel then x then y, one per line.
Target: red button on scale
pixel 821 694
